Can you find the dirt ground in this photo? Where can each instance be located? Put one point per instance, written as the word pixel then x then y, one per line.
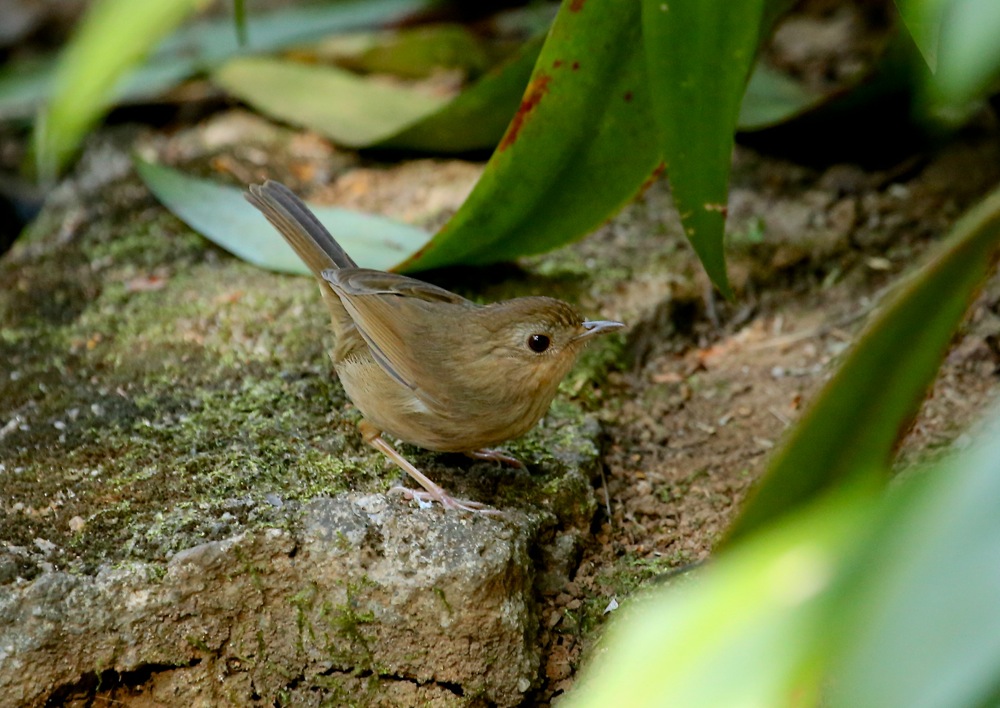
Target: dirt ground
pixel 692 422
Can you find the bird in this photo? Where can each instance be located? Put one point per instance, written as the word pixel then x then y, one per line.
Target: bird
pixel 425 365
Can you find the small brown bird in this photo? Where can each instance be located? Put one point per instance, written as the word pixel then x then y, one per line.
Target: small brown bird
pixel 426 365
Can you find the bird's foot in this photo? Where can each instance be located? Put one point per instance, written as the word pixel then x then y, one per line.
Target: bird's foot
pixel 425 499
pixel 431 492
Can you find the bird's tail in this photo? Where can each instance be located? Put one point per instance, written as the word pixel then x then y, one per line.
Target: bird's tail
pixel 317 248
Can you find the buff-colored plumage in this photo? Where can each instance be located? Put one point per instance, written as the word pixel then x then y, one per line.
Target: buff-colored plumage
pixel 426 365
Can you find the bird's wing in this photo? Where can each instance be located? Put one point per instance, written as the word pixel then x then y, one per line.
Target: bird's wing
pixel 363 281
pixel 402 320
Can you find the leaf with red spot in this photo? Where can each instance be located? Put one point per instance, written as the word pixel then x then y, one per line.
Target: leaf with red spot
pixel 586 137
pixel 538 87
pixel 580 146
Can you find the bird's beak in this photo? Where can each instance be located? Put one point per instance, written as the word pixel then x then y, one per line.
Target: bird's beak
pixel 596 327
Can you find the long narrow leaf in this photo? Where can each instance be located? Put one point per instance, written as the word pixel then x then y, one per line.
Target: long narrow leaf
pixel 114 36
pixel 922 628
pixel 95 69
pixel 855 421
pixel 222 215
pixel 579 147
pixel 582 143
pixel 341 105
pixel 699 56
pixel 746 632
pixel 852 600
pixel 968 51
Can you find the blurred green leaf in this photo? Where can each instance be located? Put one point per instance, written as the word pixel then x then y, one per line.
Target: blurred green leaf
pixel 23 87
pixel 577 150
pixel 208 43
pixel 222 215
pixel 853 599
pixel 351 110
pixel 94 68
pixel 747 631
pixel 477 118
pixel 852 426
pixel 700 55
pixel 968 50
pixel 359 112
pixel 240 21
pixel 922 627
pixel 920 18
pixel 772 98
pixel 113 36
pixel 957 39
pixel 420 51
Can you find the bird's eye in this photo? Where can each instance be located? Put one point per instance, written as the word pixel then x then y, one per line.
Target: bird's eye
pixel 538 343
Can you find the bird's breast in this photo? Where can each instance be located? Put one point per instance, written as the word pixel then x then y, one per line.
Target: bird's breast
pixel 471 418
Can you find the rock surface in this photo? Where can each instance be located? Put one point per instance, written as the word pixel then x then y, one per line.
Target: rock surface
pixel 189 514
pixel 439 601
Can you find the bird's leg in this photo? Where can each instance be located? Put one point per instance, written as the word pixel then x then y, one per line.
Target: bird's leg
pixel 373 436
pixel 504 458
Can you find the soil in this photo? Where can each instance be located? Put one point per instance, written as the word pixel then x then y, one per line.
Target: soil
pixel 692 422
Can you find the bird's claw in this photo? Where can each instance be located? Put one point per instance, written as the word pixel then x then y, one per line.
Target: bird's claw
pixel 425 498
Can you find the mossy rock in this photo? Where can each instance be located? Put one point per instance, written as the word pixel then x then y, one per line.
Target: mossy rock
pixel 186 495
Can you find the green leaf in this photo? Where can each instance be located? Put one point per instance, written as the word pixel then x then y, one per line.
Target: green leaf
pixel 23 87
pixel 351 110
pixel 358 112
pixel 477 118
pixel 222 215
pixel 957 39
pixel 772 98
pixel 577 150
pixel 418 52
pixel 852 600
pixel 240 21
pixel 968 50
pixel 699 56
pixel 209 43
pixel 922 19
pixel 923 626
pixel 851 427
pixel 113 36
pixel 746 631
pixel 579 147
pixel 94 73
